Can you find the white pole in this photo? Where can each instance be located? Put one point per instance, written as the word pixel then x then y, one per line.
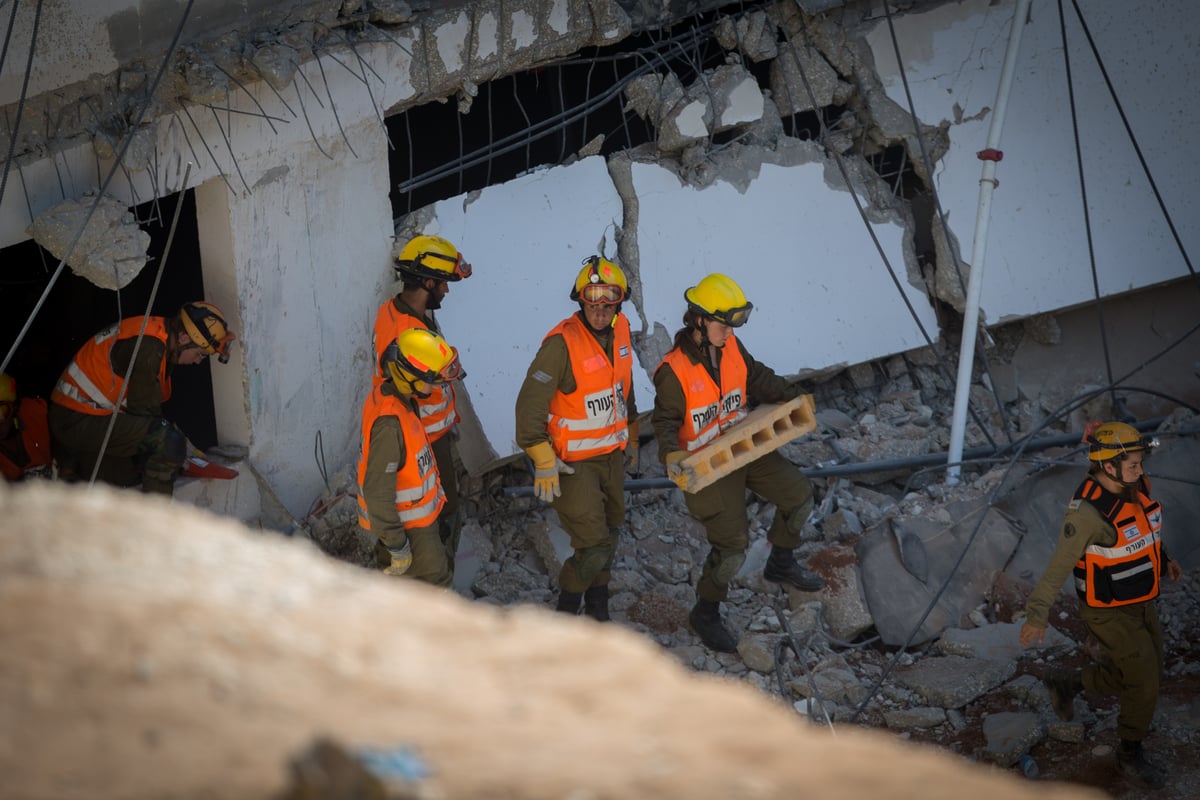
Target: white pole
pixel 987 185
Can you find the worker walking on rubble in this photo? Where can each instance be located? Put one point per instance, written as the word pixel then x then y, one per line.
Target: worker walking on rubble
pixel 144 448
pixel 425 266
pixel 1111 538
pixel 704 386
pixel 573 415
pixel 400 493
pixel 24 433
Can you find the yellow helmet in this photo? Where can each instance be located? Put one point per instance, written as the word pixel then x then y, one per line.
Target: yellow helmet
pixel 420 356
pixel 205 325
pixel 431 257
pixel 1112 439
pixel 600 281
pixel 717 296
pixel 8 388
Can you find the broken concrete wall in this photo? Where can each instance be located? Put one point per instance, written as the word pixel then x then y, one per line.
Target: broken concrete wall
pixel 773 212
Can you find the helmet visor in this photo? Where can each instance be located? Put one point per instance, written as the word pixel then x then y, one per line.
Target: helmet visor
pixel 453 370
pixel 461 268
pixel 601 293
pixel 734 317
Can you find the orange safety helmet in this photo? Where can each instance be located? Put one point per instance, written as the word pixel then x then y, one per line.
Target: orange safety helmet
pixel 205 325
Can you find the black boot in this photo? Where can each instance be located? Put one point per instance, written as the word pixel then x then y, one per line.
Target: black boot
pixel 782 568
pixel 1063 685
pixel 1138 769
pixel 568 602
pixel 595 603
pixel 706 621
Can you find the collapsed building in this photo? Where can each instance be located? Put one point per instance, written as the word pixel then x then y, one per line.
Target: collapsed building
pixel 823 153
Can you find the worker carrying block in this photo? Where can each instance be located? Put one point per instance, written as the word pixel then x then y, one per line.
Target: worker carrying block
pixel 764 429
pixel 715 448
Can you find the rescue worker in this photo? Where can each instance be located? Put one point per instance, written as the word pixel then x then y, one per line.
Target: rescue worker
pixel 400 493
pixel 1112 538
pixel 425 266
pixel 572 418
pixel 24 434
pixel 703 386
pixel 144 448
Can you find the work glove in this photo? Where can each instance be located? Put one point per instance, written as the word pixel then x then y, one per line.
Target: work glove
pixel 401 559
pixel 676 471
pixel 631 449
pixel 546 466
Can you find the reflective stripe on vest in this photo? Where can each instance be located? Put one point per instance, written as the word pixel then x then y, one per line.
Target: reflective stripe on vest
pixel 90 385
pixel 1127 571
pixel 591 420
pixel 438 412
pixel 419 494
pixel 710 409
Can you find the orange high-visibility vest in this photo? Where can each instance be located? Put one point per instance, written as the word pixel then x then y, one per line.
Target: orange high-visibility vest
pixel 591 420
pixel 710 409
pixel 90 385
pixel 1128 571
pixel 438 412
pixel 419 495
pixel 34 434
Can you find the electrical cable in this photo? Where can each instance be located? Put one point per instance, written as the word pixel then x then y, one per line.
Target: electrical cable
pixel 137 343
pixel 845 173
pixel 992 497
pixel 980 350
pixel 103 186
pixel 1087 215
pixel 1133 139
pixel 12 139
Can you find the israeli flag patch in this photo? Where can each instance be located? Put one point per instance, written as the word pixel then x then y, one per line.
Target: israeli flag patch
pixel 623 351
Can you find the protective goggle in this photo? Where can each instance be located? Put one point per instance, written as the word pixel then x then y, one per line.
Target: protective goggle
pixel 601 293
pixel 733 317
pixel 453 370
pixel 461 268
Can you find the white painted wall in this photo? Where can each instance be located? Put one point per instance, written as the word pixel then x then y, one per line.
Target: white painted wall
pixel 304 241
pixel 1037 253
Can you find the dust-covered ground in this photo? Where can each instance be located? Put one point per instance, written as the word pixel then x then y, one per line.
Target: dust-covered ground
pixel 513 548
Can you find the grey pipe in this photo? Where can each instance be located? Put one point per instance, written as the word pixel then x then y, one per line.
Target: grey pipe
pixel 929 459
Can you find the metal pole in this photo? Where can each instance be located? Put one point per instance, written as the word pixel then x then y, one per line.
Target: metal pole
pixel 987 184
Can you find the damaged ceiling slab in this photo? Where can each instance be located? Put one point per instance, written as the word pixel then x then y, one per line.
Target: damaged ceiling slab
pixel 781 150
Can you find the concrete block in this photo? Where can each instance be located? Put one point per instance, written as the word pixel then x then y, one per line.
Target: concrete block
pixel 765 429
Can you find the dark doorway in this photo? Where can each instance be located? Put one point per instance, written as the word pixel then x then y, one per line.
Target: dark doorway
pixel 75 309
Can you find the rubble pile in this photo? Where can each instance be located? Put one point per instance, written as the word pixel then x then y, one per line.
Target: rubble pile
pixel 906 635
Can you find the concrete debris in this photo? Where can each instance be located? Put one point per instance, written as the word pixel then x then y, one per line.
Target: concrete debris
pixel 954 681
pixel 276 63
pixel 753 35
pixel 797 62
pixel 1010 734
pixel 111 250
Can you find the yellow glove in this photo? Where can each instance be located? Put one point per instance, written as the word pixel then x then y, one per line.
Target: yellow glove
pixel 675 471
pixel 631 449
pixel 546 466
pixel 401 559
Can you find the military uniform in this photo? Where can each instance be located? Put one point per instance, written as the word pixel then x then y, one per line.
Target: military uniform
pixel 143 447
pixel 438 414
pixel 721 506
pixel 400 495
pixel 592 505
pixel 1129 635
